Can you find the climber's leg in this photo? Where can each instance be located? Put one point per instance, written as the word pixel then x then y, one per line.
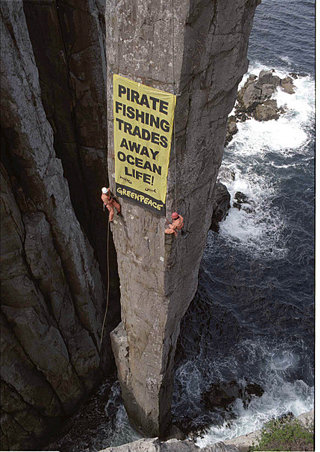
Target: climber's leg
pixel 111 213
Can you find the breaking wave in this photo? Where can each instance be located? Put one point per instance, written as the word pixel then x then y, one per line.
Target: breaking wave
pixel 255 163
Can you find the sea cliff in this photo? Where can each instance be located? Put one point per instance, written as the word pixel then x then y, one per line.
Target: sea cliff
pixel 57 61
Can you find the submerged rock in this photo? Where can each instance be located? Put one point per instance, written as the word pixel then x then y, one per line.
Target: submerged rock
pixel 222 395
pixel 242 202
pixel 251 390
pixel 241 197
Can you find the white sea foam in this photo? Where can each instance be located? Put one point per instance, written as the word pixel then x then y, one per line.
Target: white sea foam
pixel 257 232
pixel 120 431
pixel 280 396
pixel 294 397
pixel 256 152
pixel 287 60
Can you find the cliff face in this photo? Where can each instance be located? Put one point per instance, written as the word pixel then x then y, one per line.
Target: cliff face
pixel 57 60
pixel 53 235
pixel 199 49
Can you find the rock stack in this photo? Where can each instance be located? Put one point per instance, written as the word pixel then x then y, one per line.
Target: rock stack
pixel 255 99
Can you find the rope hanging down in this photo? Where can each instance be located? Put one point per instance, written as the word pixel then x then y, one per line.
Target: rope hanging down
pixel 108 286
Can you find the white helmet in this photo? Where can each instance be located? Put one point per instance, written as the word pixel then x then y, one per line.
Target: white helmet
pixel 104 190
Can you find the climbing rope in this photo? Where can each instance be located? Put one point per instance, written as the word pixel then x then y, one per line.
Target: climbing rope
pixel 108 284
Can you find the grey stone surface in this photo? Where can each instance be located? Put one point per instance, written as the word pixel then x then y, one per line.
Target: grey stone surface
pixel 199 48
pixel 267 111
pixel 268 78
pixel 221 205
pixel 306 419
pixel 56 72
pixel 287 85
pixel 68 42
pixel 255 97
pixel 257 90
pixel 53 296
pixel 173 445
pixel 232 129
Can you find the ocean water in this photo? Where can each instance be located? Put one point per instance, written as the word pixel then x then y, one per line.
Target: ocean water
pixel 252 319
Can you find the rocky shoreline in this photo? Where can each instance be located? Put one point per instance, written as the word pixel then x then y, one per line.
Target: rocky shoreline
pixel 239 444
pixel 255 99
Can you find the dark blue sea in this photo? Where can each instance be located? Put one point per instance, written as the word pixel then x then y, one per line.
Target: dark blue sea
pixel 252 319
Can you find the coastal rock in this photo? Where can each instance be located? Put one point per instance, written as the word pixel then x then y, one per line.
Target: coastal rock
pixel 287 85
pixel 294 75
pixel 241 201
pixel 306 419
pixel 267 111
pixel 240 198
pixel 52 271
pixel 154 445
pixel 255 99
pixel 238 444
pixel 159 277
pixel 221 205
pixel 221 395
pixel 268 78
pixel 249 96
pixel 256 90
pixel 266 92
pixel 232 129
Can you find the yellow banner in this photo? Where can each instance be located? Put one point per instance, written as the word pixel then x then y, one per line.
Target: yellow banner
pixel 143 123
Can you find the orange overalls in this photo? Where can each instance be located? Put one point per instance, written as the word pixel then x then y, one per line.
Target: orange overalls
pixel 110 203
pixel 175 226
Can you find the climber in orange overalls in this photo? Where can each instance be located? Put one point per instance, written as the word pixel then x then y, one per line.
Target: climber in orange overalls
pixel 110 203
pixel 176 225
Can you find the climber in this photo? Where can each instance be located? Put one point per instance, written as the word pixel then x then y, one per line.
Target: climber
pixel 176 225
pixel 110 202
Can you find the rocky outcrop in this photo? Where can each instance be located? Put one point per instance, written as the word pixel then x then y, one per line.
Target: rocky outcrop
pixel 53 294
pixel 232 129
pixel 257 90
pixel 242 443
pixel 254 99
pixel 221 395
pixel 242 202
pixel 173 445
pixel 221 205
pixel 198 49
